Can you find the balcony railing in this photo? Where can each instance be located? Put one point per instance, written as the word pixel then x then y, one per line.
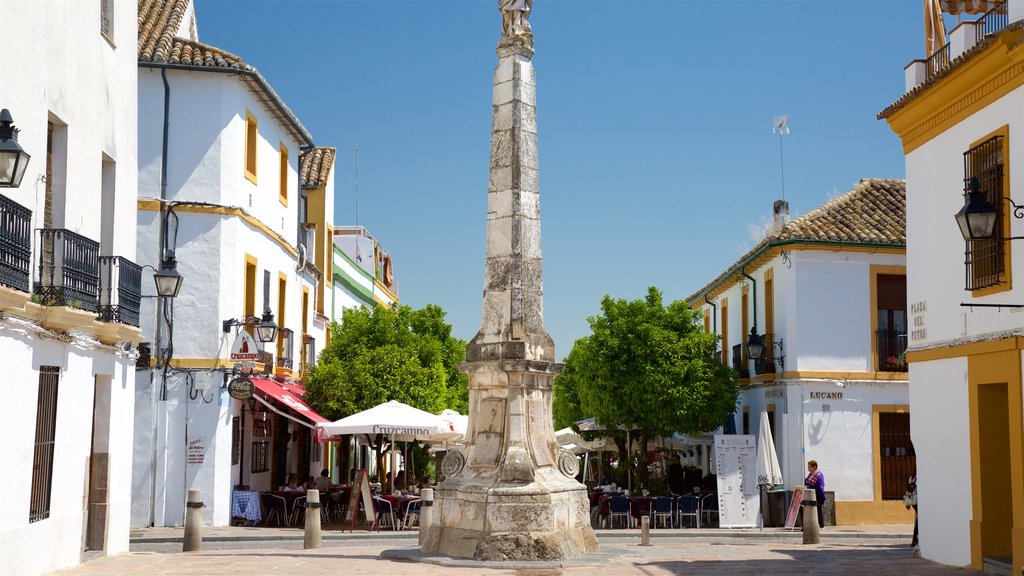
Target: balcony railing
pixel 993 21
pixel 739 360
pixel 766 363
pixel 286 343
pixel 937 61
pixel 892 349
pixel 69 272
pixel 120 290
pixel 15 244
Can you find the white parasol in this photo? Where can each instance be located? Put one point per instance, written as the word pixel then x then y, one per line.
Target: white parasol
pixel 769 473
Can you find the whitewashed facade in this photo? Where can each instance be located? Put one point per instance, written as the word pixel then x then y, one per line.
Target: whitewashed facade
pixel 961 118
pixel 816 288
pixel 249 236
pixel 362 272
pixel 68 78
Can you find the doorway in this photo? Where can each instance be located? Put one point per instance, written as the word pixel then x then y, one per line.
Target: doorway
pixel 98 469
pixel 996 523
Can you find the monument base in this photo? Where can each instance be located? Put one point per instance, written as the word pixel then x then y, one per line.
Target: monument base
pixel 532 522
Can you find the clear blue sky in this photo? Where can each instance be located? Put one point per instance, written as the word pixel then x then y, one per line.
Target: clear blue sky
pixel 656 150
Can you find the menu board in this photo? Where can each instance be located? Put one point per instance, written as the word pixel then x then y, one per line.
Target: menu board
pixel 794 507
pixel 361 487
pixel 736 462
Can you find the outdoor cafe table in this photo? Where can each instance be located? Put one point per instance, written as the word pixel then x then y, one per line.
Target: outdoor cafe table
pixel 398 503
pixel 641 505
pixel 246 504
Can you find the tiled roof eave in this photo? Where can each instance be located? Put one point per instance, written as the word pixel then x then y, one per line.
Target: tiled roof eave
pixel 258 84
pixel 765 246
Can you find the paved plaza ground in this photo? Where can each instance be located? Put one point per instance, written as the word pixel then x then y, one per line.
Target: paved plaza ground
pixel 876 550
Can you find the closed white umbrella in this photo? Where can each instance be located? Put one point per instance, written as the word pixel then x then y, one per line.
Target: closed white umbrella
pixel 769 473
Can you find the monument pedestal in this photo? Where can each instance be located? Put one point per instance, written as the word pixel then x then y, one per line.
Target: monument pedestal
pixel 512 494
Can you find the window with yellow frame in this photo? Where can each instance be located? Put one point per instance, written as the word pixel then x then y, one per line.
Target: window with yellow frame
pixel 987 260
pixel 251 138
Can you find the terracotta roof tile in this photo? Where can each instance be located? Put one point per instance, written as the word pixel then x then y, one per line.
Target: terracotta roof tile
pixel 316 165
pixel 873 212
pixel 158 45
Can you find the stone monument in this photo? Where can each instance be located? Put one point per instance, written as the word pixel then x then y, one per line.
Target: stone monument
pixel 510 493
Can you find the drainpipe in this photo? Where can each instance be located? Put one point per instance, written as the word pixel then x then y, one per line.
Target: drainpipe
pixel 714 313
pixel 163 225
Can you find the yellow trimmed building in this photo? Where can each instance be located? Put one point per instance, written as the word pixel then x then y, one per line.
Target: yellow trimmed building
pixel 825 294
pixel 961 123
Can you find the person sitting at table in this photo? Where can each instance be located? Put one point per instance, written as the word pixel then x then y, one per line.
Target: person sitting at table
pixel 323 481
pixel 292 485
pixel 676 476
pixel 400 481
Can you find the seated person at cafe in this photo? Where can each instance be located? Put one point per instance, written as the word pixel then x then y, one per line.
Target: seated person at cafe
pixel 676 477
pixel 292 485
pixel 323 481
pixel 400 480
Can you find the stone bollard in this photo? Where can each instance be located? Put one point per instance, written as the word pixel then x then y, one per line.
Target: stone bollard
pixel 811 530
pixel 193 541
pixel 645 530
pixel 426 511
pixel 311 539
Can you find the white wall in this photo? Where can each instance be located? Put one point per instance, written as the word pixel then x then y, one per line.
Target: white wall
pixel 941 432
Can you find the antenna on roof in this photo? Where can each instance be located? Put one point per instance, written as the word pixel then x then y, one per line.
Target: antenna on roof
pixel 780 126
pixel 359 257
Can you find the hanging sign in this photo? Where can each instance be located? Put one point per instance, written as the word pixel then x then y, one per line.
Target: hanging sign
pixel 196 453
pixel 244 352
pixel 240 388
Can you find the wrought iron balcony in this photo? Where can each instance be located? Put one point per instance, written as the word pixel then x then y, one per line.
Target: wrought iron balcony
pixel 285 345
pixel 120 290
pixel 739 360
pixel 993 21
pixel 69 272
pixel 892 349
pixel 766 363
pixel 15 244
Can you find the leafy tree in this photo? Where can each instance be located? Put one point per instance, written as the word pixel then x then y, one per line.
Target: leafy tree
pixel 647 367
pixel 380 354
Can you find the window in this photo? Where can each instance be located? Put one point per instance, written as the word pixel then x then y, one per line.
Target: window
pixel 236 440
pixel 283 194
pixel 266 290
pixel 283 340
pixel 249 304
pixel 251 138
pixel 986 260
pixel 897 457
pixel 725 331
pixel 707 321
pixel 107 19
pixel 42 456
pixel 891 317
pixel 260 456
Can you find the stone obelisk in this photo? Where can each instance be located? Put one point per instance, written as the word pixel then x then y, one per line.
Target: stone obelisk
pixel 510 491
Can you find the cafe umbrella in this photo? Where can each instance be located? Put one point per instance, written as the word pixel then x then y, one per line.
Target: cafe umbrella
pixel 769 473
pixel 395 420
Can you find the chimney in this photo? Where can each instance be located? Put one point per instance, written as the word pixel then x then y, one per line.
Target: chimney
pixel 780 214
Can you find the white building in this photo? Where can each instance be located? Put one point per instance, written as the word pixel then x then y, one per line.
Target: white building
pixel 363 272
pixel 826 294
pixel 68 77
pixel 961 118
pixel 251 241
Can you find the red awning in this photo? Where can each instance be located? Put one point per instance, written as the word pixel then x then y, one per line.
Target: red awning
pixel 289 396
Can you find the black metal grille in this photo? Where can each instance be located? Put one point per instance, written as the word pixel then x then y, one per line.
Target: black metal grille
pixel 892 348
pixel 120 290
pixel 993 21
pixel 937 61
pixel 766 363
pixel 984 259
pixel 15 244
pixel 42 456
pixel 71 276
pixel 898 459
pixel 286 344
pixel 739 360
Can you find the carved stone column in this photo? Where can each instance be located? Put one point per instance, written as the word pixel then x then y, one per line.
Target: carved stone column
pixel 510 492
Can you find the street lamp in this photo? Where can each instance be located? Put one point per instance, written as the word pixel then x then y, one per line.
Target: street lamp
pixel 167 279
pixel 755 345
pixel 13 159
pixel 266 330
pixel 977 217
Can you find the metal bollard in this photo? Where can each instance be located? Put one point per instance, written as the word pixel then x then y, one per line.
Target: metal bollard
pixel 645 530
pixel 311 538
pixel 426 511
pixel 193 541
pixel 811 530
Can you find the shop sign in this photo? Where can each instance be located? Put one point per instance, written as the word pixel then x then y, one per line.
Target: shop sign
pixel 240 388
pixel 826 395
pixel 244 352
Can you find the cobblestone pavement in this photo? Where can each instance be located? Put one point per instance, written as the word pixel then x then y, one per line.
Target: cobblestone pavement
pixel 696 556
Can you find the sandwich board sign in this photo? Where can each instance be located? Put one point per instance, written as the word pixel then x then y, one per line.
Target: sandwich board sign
pixel 244 352
pixel 361 487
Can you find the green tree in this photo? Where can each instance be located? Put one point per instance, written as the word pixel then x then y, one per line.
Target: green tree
pixel 380 354
pixel 647 367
